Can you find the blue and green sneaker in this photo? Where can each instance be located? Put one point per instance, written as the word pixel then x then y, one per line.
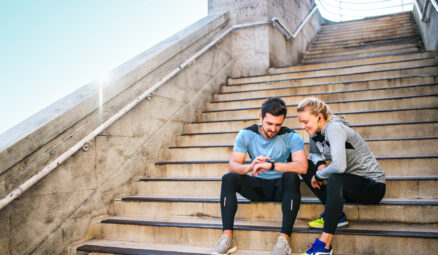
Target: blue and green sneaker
pixel 319 223
pixel 318 248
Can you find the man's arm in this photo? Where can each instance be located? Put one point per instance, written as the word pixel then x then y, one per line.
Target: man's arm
pixel 236 164
pixel 298 164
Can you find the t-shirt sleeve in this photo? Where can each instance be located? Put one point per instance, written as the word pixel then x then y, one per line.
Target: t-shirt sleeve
pixel 241 142
pixel 296 143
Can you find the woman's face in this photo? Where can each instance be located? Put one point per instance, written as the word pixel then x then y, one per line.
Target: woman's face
pixel 309 122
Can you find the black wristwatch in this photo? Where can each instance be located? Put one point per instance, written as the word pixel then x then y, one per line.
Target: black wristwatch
pixel 318 178
pixel 272 164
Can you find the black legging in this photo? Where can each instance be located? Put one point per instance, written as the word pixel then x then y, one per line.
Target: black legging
pixel 285 190
pixel 340 187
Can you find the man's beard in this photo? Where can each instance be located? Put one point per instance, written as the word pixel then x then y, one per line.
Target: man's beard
pixel 267 134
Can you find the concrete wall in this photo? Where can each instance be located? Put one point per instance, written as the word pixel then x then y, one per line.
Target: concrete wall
pixel 429 29
pixel 58 209
pixel 258 48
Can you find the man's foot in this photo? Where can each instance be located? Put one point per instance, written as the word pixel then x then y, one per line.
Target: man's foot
pixel 318 248
pixel 319 223
pixel 281 247
pixel 225 245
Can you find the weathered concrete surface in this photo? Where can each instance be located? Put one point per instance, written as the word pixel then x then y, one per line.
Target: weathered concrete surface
pixel 258 48
pixel 429 29
pixel 58 210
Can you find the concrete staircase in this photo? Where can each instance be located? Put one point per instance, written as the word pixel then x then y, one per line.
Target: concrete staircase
pixel 375 74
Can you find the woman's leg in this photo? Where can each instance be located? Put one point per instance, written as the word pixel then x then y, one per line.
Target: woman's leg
pixel 352 187
pixel 319 193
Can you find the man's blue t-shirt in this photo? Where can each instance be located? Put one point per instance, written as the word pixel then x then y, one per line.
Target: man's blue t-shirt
pixel 279 148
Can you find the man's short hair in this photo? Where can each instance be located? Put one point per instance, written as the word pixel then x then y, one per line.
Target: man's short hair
pixel 274 106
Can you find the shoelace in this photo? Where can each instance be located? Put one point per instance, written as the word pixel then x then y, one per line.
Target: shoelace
pixel 311 248
pixel 225 240
pixel 282 244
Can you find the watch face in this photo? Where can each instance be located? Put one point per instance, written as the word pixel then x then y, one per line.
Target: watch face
pixel 271 161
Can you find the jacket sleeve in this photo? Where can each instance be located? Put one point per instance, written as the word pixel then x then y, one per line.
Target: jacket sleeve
pixel 337 137
pixel 314 154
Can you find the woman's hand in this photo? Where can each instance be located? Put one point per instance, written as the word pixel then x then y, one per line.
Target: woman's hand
pixel 317 184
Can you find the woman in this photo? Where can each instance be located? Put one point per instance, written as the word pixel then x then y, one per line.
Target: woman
pixel 353 175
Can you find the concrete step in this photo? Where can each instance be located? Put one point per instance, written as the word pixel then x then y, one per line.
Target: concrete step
pixel 347 56
pixel 376 22
pixel 388 73
pixel 388 210
pixel 364 49
pixel 361 51
pixel 335 106
pixel 380 147
pixel 258 235
pixel 95 247
pixel 330 31
pixel 392 130
pixel 356 62
pixel 394 29
pixel 341 71
pixel 355 118
pixel 247 91
pixel 383 40
pixel 396 187
pixel 356 40
pixel 393 166
pixel 292 96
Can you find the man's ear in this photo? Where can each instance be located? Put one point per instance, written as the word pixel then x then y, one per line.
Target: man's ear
pixel 261 118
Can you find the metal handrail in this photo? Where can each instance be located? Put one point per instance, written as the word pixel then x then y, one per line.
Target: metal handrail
pixel 289 35
pixel 145 95
pixel 423 13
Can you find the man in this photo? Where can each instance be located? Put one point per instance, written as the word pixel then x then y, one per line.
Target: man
pixel 277 157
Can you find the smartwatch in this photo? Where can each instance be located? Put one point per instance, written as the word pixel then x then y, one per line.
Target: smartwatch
pixel 272 164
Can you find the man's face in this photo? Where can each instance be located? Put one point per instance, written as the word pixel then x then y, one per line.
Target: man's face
pixel 271 125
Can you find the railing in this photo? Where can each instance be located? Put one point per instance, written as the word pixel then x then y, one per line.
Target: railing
pixel 84 143
pixel 423 13
pixel 343 10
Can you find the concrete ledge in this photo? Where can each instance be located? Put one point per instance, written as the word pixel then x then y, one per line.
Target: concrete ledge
pixel 26 137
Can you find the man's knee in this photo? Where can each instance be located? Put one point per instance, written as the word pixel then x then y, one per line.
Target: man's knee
pixel 230 178
pixel 291 180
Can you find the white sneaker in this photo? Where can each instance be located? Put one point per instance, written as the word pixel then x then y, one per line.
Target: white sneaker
pixel 282 247
pixel 224 246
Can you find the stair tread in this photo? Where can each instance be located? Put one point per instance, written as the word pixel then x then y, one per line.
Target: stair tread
pixel 121 247
pixel 385 201
pixel 394 229
pixel 335 75
pixel 205 179
pixel 369 58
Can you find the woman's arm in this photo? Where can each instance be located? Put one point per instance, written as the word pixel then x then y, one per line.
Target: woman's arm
pixel 337 137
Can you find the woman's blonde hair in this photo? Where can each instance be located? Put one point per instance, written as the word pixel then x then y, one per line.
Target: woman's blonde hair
pixel 315 106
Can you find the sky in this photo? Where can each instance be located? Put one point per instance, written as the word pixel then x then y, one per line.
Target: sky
pixel 50 48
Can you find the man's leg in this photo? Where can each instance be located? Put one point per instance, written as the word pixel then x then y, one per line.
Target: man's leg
pixel 290 197
pixel 233 183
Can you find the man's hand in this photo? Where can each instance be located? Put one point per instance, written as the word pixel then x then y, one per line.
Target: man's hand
pixel 261 167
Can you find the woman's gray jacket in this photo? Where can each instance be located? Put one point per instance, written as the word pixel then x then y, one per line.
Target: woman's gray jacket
pixel 347 151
